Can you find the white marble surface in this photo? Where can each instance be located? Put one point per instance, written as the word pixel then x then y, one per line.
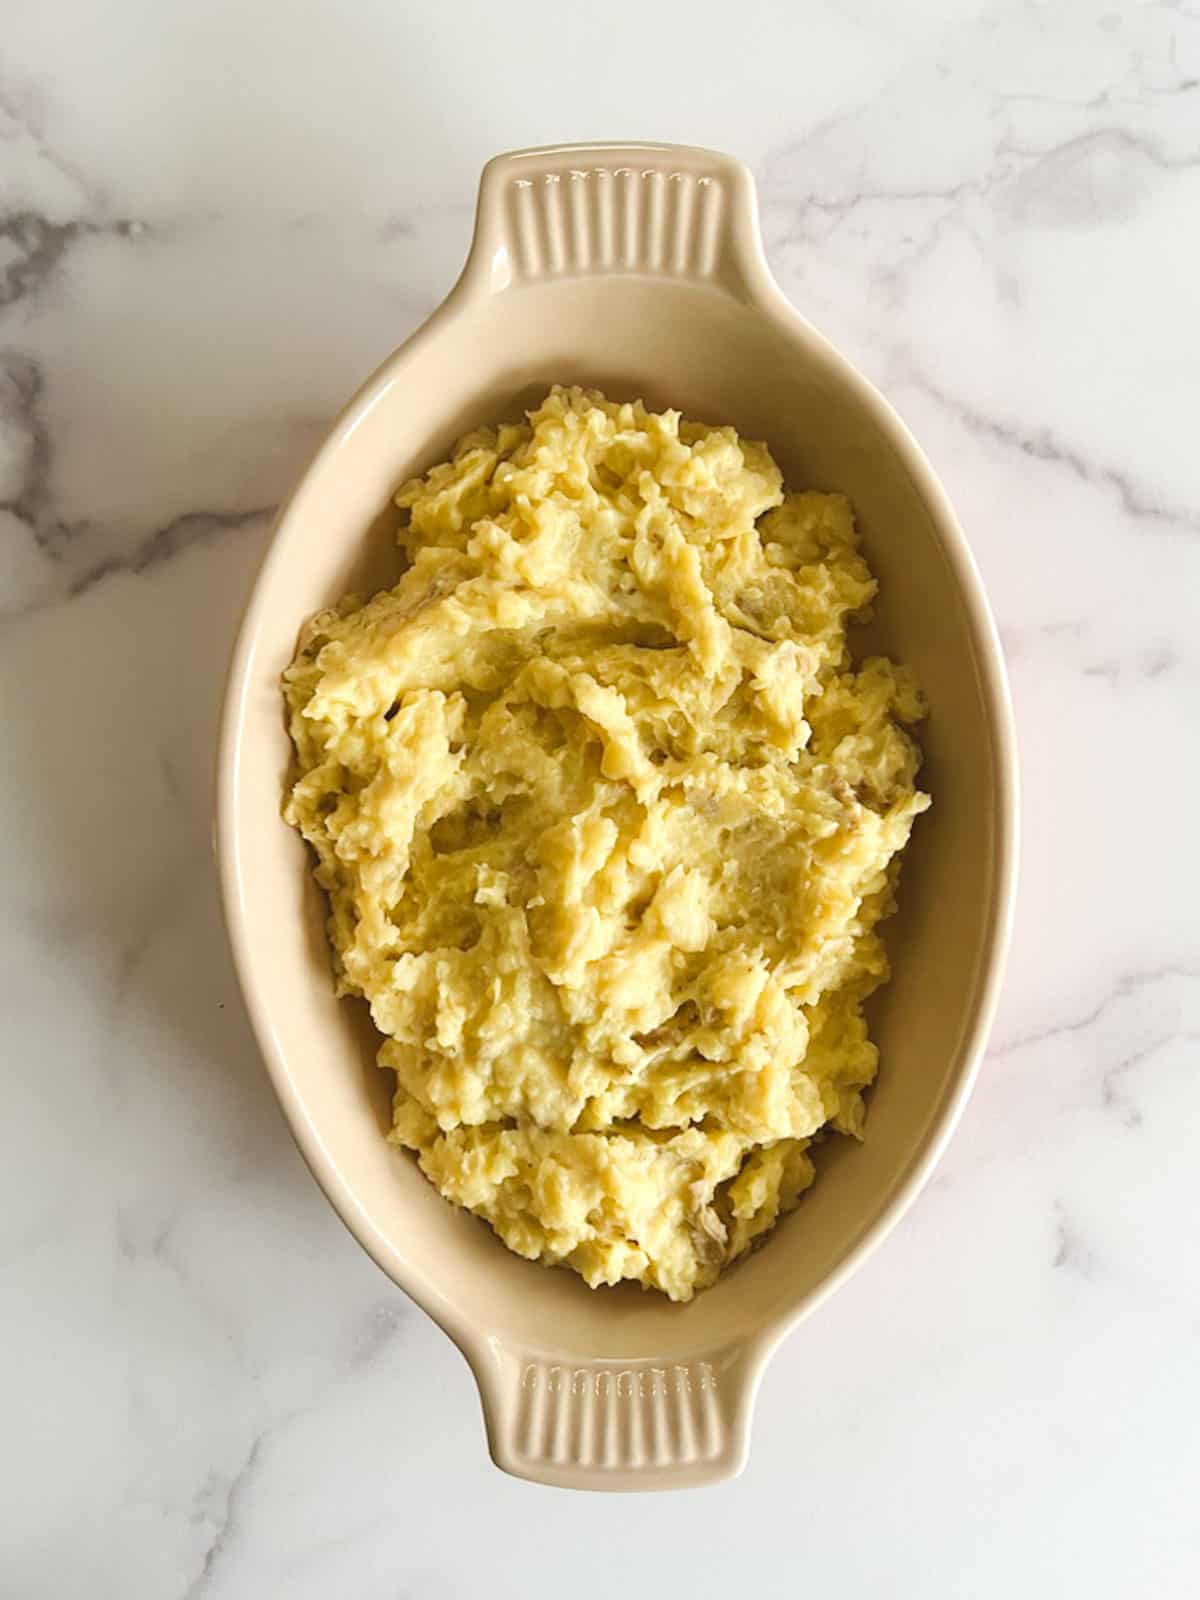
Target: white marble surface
pixel 215 220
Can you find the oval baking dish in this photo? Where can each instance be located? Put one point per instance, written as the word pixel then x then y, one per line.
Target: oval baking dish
pixel 637 269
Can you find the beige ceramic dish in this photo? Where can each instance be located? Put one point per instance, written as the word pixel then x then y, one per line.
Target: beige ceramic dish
pixel 638 269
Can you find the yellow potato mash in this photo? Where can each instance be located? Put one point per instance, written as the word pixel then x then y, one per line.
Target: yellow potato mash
pixel 606 816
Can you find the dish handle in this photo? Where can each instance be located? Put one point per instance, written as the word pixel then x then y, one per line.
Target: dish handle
pixel 660 210
pixel 587 1424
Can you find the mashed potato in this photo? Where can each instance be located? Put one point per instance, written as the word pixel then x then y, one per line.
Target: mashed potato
pixel 606 817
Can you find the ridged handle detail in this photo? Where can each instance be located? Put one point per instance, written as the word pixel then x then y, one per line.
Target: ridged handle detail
pixel 659 210
pixel 602 1425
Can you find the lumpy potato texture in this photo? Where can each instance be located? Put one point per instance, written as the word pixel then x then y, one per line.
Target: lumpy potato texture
pixel 606 816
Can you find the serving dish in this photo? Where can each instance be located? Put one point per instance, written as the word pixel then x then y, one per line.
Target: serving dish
pixel 638 269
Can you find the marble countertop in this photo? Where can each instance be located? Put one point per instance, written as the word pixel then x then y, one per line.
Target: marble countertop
pixel 214 221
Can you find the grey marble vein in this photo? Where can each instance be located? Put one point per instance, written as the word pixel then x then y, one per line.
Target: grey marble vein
pixel 32 502
pixel 1083 647
pixel 1039 444
pixel 38 246
pixel 226 1519
pixel 1112 1086
pixel 1124 987
pixel 182 532
pixel 20 104
pixel 376 1332
pixel 21 412
pixel 1072 1252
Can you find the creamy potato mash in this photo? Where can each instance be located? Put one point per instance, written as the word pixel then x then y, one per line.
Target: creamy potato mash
pixel 606 816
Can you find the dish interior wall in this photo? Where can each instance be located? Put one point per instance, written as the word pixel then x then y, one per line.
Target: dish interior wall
pixel 712 357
